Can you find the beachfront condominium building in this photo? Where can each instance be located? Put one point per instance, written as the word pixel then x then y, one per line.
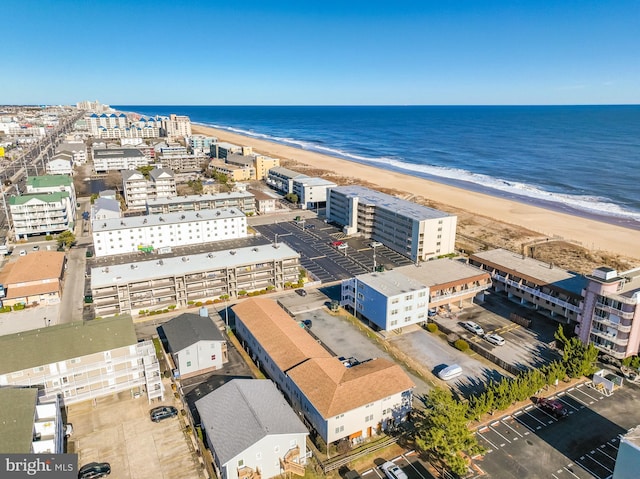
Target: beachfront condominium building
pixel 81 361
pixel 241 200
pixel 107 125
pixel 201 144
pixel 413 230
pixel 118 159
pixel 30 425
pixel 147 233
pixel 312 192
pixel 181 281
pixel 177 126
pixel 222 149
pixel 232 172
pixel 182 162
pixel 610 315
pixel 543 287
pixel 393 299
pixel 137 189
pixel 339 402
pixel 145 127
pixel 281 179
pixel 259 165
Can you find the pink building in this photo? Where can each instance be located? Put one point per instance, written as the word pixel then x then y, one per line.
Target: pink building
pixel 610 313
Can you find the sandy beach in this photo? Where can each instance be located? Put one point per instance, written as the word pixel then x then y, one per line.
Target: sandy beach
pixel 591 234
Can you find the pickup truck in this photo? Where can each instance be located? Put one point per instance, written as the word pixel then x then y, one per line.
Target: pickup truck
pixel 552 406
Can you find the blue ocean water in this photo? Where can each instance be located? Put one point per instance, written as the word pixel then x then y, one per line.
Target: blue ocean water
pixel 580 159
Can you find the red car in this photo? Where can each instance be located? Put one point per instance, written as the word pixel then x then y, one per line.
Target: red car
pixel 553 406
pixel 337 243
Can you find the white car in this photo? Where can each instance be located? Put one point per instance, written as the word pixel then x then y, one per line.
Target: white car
pixel 495 339
pixel 23 252
pixel 375 244
pixel 392 471
pixel 473 327
pixel 343 246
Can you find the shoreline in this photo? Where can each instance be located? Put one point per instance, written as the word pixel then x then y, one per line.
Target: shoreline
pixel 591 232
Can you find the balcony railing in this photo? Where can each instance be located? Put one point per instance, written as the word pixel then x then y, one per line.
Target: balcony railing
pixel 616 311
pixel 537 293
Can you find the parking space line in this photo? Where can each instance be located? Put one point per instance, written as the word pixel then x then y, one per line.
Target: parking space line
pixel 587 469
pixel 492 444
pixel 598 462
pixel 501 445
pixel 566 468
pixel 600 450
pixel 594 399
pixel 512 429
pixel 584 404
pixel 567 403
pixel 531 415
pixel 525 425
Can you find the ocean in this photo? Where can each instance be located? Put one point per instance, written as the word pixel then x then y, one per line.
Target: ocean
pixel 582 160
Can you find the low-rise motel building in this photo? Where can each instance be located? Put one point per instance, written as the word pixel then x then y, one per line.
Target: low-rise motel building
pixel 394 299
pixel 543 287
pixel 242 200
pixel 33 279
pixel 337 401
pixel 147 233
pixel 81 361
pixel 415 231
pixel 180 281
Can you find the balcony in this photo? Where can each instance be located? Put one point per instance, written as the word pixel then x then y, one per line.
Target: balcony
pixel 615 311
pixel 245 472
pixel 623 328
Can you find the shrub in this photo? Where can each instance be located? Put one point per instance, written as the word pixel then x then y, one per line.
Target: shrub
pixel 166 373
pixel 432 327
pixel 172 307
pixel 461 345
pixel 18 306
pixel 5 309
pixel 189 302
pixel 208 301
pixel 199 303
pixel 242 292
pixel 48 237
pixel 142 312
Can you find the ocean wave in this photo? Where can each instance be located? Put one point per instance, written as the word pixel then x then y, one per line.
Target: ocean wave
pixel 588 203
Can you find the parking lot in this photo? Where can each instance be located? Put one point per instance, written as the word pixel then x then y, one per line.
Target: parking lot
pixel 584 445
pixel 325 261
pixel 117 429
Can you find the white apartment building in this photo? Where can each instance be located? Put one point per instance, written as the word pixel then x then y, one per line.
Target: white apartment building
pixel 281 179
pixel 181 162
pixel 413 230
pixel 177 126
pixel 77 149
pixel 137 189
pixel 107 125
pixel 389 300
pixel 242 200
pixel 51 184
pixel 60 164
pixel 118 159
pixel 182 281
pixel 339 402
pixel 201 144
pixel 312 192
pixel 146 233
pixel 82 360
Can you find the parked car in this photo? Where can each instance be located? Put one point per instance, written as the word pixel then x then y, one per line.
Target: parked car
pixel 432 312
pixel 301 292
pixel 343 246
pixel 450 372
pixel 337 243
pixel 36 248
pixel 159 413
pixel 94 470
pixel 552 406
pixel 68 430
pixel 473 327
pixel 392 471
pixel 495 339
pixel 375 244
pixel 23 252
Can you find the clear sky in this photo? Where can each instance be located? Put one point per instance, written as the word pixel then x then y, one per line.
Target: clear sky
pixel 305 52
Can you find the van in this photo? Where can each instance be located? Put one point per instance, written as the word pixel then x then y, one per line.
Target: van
pixel 450 372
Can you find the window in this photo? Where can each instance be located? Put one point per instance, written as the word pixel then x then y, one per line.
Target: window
pixel 408 297
pixel 188 363
pixel 213 357
pixel 240 462
pixel 339 429
pixel 368 418
pixel 422 294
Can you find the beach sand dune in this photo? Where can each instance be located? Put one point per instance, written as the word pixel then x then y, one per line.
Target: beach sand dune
pixel 484 221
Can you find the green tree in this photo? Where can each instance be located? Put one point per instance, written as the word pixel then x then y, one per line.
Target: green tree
pixel 145 170
pixel 291 197
pixel 66 239
pixel 442 432
pixel 578 359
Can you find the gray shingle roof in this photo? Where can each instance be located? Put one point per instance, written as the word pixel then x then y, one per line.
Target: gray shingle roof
pixel 17 412
pixel 259 410
pixel 187 329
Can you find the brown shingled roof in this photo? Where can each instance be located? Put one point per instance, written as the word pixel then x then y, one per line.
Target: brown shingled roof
pixel 286 342
pixel 331 387
pixel 334 389
pixel 36 266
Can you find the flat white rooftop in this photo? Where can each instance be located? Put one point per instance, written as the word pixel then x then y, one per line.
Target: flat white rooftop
pixel 441 271
pixel 181 265
pixel 405 208
pixel 178 217
pixel 390 283
pixel 171 200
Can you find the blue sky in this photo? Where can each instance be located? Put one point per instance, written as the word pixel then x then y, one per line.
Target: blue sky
pixel 303 52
